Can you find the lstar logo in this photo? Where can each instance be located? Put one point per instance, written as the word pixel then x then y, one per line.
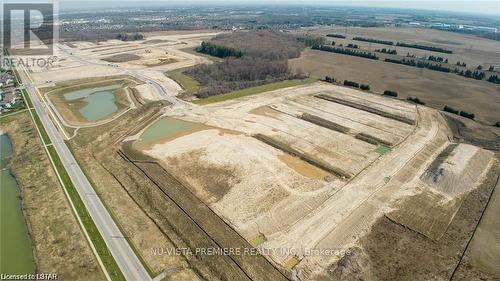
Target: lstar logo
pixel 28 29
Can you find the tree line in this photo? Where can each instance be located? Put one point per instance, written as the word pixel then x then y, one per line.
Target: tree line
pixel 437 59
pixel 349 52
pixel 336 36
pixel 391 43
pixel 494 79
pixel 364 87
pixel 219 51
pixel 424 47
pixel 131 37
pixel 459 112
pixel 420 64
pixel 478 75
pixel 372 40
pixel 312 41
pixel 387 51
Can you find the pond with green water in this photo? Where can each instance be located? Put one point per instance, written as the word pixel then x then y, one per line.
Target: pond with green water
pixel 100 101
pixel 163 128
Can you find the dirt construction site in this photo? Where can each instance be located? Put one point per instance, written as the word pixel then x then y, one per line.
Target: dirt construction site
pixel 148 58
pixel 303 173
pixel 324 181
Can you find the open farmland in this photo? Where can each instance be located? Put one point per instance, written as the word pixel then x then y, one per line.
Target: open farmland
pixel 277 166
pixel 466 48
pixel 436 89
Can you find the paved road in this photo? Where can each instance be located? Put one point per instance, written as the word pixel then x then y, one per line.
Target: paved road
pixel 125 257
pixel 157 85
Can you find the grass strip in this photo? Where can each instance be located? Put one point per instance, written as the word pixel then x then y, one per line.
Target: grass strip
pixel 97 240
pixel 27 98
pixel 36 118
pixel 382 149
pixel 38 122
pixel 189 84
pixel 255 90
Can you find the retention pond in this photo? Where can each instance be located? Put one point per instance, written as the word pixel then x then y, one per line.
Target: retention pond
pixel 99 102
pixel 16 256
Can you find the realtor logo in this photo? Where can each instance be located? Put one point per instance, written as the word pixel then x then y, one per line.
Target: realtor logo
pixel 28 29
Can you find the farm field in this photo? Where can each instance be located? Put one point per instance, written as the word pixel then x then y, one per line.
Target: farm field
pixel 436 89
pixel 466 48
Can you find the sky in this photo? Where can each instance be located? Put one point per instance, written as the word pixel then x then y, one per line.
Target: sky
pixel 491 7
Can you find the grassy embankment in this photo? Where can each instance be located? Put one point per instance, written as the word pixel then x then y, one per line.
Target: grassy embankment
pixel 255 90
pixel 189 84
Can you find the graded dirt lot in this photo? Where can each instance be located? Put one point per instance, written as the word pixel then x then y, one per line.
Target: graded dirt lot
pixel 435 88
pixel 277 166
pixel 150 58
pixel 307 175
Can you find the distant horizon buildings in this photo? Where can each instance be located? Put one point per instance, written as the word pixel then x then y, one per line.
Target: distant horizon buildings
pixel 464 27
pixel 440 25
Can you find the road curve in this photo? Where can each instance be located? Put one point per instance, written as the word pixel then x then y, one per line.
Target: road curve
pixel 125 257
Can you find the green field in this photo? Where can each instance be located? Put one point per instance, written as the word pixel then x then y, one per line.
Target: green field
pixel 189 84
pixel 382 149
pixel 255 90
pixel 258 240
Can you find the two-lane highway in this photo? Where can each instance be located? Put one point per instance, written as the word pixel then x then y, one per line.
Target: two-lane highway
pixel 125 257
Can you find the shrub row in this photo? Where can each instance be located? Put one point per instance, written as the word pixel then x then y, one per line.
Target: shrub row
pixel 450 109
pixel 461 112
pixel 420 64
pixel 364 87
pixel 416 100
pixel 390 93
pixel 437 59
pixel 351 84
pixel 494 79
pixel 387 51
pixel 336 36
pixel 349 52
pixel 330 79
pixel 424 47
pixel 372 40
